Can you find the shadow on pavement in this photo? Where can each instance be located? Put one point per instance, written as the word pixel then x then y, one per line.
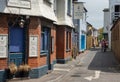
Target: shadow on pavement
pixel 104 61
pixel 94 49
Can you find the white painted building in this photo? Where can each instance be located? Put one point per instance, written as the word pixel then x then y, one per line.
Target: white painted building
pixel 106 29
pixel 63 12
pixel 81 26
pixel 110 16
pixel 29 7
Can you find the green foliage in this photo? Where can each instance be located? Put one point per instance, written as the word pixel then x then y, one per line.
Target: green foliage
pixel 100 31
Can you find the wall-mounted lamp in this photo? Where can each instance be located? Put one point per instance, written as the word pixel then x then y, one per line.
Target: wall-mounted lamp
pixel 21 22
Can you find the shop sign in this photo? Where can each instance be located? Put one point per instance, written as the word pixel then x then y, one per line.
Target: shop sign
pixel 78 10
pixel 33 46
pixel 3 46
pixel 19 3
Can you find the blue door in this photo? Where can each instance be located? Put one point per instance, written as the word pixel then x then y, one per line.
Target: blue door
pixel 17 45
pixel 82 42
pixel 45 44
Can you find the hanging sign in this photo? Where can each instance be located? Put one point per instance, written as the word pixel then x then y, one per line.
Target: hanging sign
pixel 78 10
pixel 33 46
pixel 3 46
pixel 19 3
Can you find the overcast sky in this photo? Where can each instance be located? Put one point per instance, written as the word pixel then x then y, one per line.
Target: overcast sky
pixel 95 11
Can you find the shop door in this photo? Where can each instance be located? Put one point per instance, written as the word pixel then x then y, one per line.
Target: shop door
pixel 82 42
pixel 45 44
pixel 17 45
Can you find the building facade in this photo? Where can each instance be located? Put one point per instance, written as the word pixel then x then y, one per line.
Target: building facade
pixel 115 39
pixel 28 35
pixel 106 28
pixel 64 30
pixel 113 12
pixel 81 29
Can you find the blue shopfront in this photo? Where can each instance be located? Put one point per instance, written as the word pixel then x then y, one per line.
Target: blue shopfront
pixel 17 45
pixel 83 42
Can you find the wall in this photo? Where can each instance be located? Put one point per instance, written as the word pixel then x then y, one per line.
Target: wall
pixel 62 17
pixel 106 20
pixel 3 30
pixel 32 8
pixel 35 29
pixel 62 54
pixel 60 42
pixel 111 7
pixel 116 40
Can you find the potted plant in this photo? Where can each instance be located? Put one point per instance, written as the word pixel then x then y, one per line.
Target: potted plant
pixel 23 70
pixel 11 70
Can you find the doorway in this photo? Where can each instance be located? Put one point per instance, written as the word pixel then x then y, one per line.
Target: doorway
pixel 17 45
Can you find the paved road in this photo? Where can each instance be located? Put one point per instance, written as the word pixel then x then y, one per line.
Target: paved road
pixel 96 66
pixel 91 66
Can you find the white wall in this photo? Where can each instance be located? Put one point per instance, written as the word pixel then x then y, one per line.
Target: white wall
pixel 37 8
pixel 112 3
pixel 62 17
pixel 106 21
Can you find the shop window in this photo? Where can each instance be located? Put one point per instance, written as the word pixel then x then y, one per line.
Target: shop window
pixel 44 41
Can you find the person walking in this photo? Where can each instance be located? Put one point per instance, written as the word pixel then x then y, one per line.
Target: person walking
pixel 104 45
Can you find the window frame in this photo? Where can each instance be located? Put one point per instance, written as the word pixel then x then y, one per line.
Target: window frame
pixel 44 42
pixel 68 40
pixel 69 6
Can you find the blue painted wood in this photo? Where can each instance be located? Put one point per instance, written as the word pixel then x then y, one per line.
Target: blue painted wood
pixel 2 76
pixel 16 45
pixel 82 42
pixel 38 72
pixel 45 47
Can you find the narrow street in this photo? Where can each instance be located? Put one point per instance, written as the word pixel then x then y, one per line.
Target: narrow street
pixel 90 66
pixel 96 66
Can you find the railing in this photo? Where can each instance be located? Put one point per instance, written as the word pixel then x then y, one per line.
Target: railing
pixel 115 16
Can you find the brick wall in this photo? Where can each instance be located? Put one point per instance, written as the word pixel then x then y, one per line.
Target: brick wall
pixel 35 29
pixel 68 53
pixel 61 43
pixel 3 30
pixel 53 34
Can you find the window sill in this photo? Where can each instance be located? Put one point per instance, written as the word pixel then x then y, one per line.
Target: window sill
pixel 67 50
pixel 43 53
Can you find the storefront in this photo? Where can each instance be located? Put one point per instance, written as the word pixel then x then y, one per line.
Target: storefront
pixel 30 41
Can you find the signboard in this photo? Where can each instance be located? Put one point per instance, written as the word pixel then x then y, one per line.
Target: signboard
pixel 78 10
pixel 33 46
pixel 19 3
pixel 3 46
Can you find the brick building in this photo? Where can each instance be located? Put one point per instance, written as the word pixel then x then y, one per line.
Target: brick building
pixel 28 35
pixel 64 30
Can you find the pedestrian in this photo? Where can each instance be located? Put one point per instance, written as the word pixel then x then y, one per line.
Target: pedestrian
pixel 104 45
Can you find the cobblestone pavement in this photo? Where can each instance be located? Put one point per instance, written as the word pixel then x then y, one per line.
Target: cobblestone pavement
pixel 90 66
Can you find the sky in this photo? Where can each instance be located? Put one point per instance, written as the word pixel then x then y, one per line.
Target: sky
pixel 95 11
